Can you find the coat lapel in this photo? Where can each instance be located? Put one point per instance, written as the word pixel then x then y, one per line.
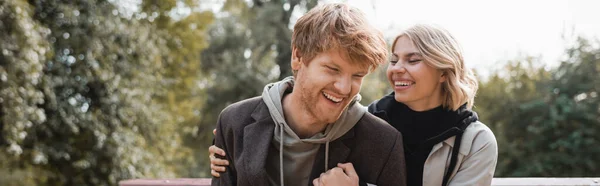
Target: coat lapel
pixel 254 155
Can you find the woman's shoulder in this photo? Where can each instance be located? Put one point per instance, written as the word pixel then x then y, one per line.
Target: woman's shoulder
pixel 479 130
pixel 478 136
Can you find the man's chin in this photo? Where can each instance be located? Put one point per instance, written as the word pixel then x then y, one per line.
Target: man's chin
pixel 328 114
pixel 333 118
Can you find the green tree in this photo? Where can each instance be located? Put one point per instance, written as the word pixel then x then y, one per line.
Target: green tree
pixel 185 37
pixel 82 98
pixel 552 124
pixel 249 47
pixel 22 50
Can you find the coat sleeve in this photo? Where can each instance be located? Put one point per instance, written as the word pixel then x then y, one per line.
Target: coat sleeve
pixel 394 171
pixel 224 140
pixel 478 167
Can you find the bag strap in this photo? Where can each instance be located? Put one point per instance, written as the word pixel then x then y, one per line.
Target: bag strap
pixel 456 148
pixel 452 159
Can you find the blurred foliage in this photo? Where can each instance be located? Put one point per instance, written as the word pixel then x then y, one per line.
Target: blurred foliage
pixel 375 85
pixel 185 37
pixel 249 47
pixel 547 121
pixel 90 96
pixel 93 91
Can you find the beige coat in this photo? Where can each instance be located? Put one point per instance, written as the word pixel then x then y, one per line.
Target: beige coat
pixel 476 161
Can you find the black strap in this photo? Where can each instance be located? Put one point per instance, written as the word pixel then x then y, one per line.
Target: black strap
pixel 456 147
pixel 452 159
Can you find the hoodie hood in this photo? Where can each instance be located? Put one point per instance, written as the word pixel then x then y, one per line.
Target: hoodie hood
pixel 273 96
pixel 295 153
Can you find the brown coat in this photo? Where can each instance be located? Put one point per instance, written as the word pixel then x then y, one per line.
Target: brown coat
pixel 245 130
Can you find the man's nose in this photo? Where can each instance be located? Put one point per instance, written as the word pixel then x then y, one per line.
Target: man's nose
pixel 343 85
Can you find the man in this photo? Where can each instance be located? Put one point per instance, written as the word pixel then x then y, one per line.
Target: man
pixel 310 128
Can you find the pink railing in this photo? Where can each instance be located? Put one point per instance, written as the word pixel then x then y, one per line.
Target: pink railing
pixel 495 182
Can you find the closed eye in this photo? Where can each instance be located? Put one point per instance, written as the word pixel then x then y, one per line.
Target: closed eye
pixel 359 75
pixel 394 59
pixel 332 69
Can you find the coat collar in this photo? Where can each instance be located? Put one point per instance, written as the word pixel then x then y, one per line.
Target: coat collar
pixel 257 138
pixel 466 142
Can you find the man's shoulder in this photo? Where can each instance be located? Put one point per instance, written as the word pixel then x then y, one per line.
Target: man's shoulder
pixel 241 111
pixel 374 123
pixel 243 106
pixel 372 127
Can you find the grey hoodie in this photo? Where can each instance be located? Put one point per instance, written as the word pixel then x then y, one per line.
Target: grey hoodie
pixel 293 164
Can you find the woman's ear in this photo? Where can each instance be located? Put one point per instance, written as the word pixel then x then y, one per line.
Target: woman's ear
pixel 443 77
pixel 296 59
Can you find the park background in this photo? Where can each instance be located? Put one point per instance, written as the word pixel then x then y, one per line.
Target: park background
pixel 97 91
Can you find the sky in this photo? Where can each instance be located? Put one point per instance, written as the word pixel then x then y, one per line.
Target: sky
pixel 493 32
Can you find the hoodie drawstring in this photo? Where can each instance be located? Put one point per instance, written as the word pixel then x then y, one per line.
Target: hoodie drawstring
pixel 281 153
pixel 326 154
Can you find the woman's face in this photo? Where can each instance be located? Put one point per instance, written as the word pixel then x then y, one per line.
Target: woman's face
pixel 415 83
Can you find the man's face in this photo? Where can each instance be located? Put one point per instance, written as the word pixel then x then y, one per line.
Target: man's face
pixel 327 84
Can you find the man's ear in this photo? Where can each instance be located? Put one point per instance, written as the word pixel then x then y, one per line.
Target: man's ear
pixel 296 59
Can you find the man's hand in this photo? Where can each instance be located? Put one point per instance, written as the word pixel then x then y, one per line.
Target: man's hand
pixel 343 174
pixel 216 165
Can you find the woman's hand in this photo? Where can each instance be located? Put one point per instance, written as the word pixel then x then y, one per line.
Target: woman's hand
pixel 216 165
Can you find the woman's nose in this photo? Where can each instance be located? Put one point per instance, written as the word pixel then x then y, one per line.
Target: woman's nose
pixel 398 67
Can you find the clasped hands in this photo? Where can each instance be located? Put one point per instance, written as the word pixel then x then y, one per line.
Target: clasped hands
pixel 343 174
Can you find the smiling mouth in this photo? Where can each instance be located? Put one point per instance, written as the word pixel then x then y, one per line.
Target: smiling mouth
pixel 403 83
pixel 333 98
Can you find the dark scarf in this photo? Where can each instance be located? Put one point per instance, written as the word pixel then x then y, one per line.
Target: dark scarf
pixel 420 130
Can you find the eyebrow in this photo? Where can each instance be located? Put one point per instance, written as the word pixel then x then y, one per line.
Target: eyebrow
pixel 409 54
pixel 414 54
pixel 335 65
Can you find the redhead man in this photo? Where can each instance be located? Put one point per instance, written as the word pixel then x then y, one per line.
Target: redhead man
pixel 309 128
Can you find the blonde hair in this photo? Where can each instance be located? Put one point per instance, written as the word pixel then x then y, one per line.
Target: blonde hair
pixel 339 26
pixel 441 51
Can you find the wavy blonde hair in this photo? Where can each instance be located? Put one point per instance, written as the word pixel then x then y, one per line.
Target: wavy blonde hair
pixel 441 51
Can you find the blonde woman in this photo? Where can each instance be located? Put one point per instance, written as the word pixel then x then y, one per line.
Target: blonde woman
pixel 444 143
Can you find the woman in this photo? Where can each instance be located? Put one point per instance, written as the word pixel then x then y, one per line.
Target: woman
pixel 444 142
